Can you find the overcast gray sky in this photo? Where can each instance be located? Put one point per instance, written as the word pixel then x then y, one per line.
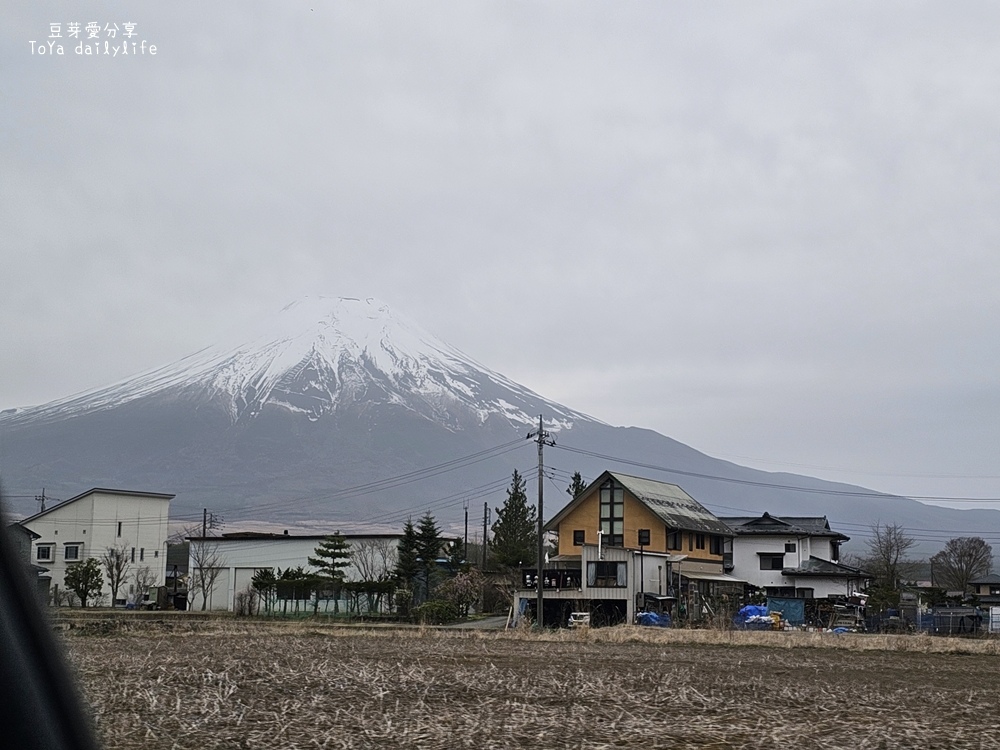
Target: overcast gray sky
pixel 768 230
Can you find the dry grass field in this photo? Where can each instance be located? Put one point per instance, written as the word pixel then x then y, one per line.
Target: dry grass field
pixel 208 686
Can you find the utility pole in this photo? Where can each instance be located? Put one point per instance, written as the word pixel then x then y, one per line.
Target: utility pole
pixel 465 548
pixel 210 521
pixel 643 543
pixel 543 439
pixel 486 520
pixel 41 499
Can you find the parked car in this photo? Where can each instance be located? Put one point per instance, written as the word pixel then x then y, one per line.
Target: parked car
pixel 579 620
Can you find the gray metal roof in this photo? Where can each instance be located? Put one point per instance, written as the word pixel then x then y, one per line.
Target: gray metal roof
pixel 816 566
pixel 784 525
pixel 674 506
pixel 243 536
pixel 989 578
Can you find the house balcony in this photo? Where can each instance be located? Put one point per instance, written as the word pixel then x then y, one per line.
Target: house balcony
pixel 552 579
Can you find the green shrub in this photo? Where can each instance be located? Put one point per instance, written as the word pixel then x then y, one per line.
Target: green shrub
pixel 436 612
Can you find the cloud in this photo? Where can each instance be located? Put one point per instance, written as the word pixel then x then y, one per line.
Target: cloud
pixel 766 226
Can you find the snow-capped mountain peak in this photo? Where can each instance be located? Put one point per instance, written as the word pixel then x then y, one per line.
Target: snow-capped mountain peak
pixel 321 354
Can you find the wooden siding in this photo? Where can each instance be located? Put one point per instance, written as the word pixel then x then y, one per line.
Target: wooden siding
pixel 586 517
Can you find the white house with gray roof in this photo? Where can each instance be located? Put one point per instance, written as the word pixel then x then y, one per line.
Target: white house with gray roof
pixel 791 556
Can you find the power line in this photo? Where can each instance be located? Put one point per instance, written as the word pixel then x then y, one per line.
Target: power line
pixel 774 485
pixel 401 480
pixel 840 469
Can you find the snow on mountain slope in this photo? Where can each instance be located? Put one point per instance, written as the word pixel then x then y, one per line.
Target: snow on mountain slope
pixel 320 354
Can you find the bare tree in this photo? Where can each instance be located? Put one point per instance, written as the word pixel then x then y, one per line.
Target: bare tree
pixel 375 559
pixel 142 579
pixel 887 561
pixel 246 602
pixel 206 562
pixel 961 560
pixel 115 562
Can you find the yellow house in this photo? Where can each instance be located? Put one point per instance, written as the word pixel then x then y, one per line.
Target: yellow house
pixel 627 540
pixel 616 507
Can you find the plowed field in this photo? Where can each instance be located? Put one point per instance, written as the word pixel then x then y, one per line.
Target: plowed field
pixel 296 688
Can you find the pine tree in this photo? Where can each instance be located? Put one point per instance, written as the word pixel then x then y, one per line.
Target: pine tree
pixel 332 556
pixel 429 542
pixel 576 486
pixel 407 565
pixel 514 535
pixel 265 583
pixel 293 584
pixel 407 568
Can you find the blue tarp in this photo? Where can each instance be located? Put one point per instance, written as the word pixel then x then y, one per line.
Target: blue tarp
pixel 793 611
pixel 750 610
pixel 752 617
pixel 652 619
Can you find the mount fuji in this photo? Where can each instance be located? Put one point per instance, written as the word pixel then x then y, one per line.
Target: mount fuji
pixel 321 357
pixel 340 412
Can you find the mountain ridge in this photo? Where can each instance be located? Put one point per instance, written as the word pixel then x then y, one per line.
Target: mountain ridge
pixel 315 353
pixel 335 393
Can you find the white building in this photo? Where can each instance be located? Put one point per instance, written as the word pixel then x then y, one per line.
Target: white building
pixel 792 557
pixel 237 556
pixel 88 525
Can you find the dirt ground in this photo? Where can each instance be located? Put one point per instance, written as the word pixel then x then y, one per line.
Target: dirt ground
pixel 296 688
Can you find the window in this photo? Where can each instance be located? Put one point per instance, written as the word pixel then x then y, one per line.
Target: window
pixel 119 528
pixel 834 551
pixel 72 552
pixel 44 552
pixel 789 546
pixel 142 554
pixel 674 540
pixel 715 545
pixel 578 537
pixel 613 513
pixel 699 541
pixel 133 555
pixel 607 574
pixel 804 593
pixel 771 561
pixel 156 553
